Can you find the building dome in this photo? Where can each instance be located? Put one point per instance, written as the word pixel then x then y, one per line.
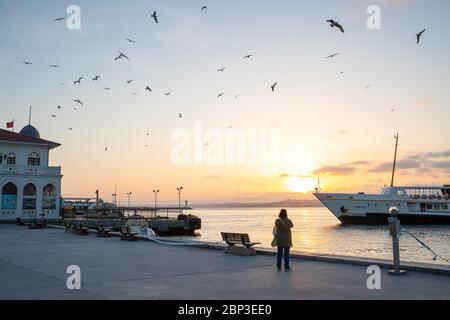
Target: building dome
pixel 30 131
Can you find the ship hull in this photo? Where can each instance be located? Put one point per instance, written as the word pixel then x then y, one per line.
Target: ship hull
pixel 405 219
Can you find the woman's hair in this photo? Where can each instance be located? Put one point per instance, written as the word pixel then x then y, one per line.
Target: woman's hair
pixel 283 214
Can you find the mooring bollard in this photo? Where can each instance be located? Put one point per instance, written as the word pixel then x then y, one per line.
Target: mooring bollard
pixel 394 230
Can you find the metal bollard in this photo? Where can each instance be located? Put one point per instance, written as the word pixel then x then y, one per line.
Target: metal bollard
pixel 394 230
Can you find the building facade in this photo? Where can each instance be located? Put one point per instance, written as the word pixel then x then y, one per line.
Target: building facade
pixel 29 187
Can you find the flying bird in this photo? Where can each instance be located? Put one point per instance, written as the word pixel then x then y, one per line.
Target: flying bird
pixel 106 149
pixel 134 93
pixel 154 16
pixel 419 35
pixel 273 86
pixel 53 115
pixel 230 127
pixel 58 19
pixel 26 62
pixel 129 81
pixel 148 88
pixel 130 40
pixel 78 101
pixel 248 56
pixel 180 116
pixel 368 86
pixel 221 70
pixel 236 96
pixel 220 94
pixel 393 109
pixel 204 8
pixel 146 146
pixel 78 81
pixel 168 93
pixel 332 55
pixel 96 78
pixel 106 88
pixel 59 107
pixel 148 133
pixel 121 55
pixel 70 129
pixel 54 66
pixel 335 24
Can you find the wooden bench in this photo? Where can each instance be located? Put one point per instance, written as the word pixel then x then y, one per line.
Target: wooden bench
pixel 79 230
pixel 233 239
pixel 127 235
pixel 103 232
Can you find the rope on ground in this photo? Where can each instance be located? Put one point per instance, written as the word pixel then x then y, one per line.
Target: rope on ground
pixel 423 244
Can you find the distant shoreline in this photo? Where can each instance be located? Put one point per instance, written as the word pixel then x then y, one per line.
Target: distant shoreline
pixel 280 204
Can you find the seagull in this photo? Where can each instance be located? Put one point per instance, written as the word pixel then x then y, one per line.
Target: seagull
pixel 148 133
pixel 78 81
pixel 335 24
pixel 148 88
pixel 129 81
pixel 221 70
pixel 273 86
pixel 70 129
pixel 106 88
pixel 134 93
pixel 393 109
pixel 248 56
pixel 168 93
pixel 146 146
pixel 419 35
pixel 75 109
pixel 59 107
pixel 130 40
pixel 230 127
pixel 106 149
pixel 221 94
pixel 368 86
pixel 332 55
pixel 62 84
pixel 54 66
pixel 53 115
pixel 236 96
pixel 154 16
pixel 78 101
pixel 27 62
pixel 58 19
pixel 204 8
pixel 96 78
pixel 180 116
pixel 121 55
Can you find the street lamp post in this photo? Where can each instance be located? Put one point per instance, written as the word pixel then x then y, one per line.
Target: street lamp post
pixel 179 199
pixel 156 194
pixel 129 196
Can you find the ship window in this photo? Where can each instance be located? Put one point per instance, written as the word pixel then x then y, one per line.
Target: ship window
pixel 437 207
pixel 445 207
pixel 11 159
pixel 34 159
pixel 429 207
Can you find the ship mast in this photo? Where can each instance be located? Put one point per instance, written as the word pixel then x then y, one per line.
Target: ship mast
pixel 395 159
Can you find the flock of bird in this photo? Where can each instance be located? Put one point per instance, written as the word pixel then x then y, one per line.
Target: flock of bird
pixel 332 23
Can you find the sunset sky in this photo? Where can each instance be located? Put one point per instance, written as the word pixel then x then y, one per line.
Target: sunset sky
pixel 331 124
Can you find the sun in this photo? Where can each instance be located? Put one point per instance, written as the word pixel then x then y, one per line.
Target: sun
pixel 301 184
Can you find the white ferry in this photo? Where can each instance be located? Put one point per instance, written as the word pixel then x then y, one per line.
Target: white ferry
pixel 417 205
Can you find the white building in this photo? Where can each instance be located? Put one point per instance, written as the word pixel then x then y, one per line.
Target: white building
pixel 29 187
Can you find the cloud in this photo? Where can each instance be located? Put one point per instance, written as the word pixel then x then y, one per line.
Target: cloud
pixel 402 164
pixel 341 170
pixel 431 155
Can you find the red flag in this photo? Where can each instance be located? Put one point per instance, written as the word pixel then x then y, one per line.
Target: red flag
pixel 10 125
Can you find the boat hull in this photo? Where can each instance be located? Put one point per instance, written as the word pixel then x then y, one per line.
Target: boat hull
pixel 405 219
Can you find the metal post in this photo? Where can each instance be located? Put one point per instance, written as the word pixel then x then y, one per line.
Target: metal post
pixel 394 231
pixel 156 194
pixel 179 199
pixel 129 195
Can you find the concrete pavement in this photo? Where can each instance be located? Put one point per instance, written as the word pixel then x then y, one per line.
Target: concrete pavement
pixel 33 266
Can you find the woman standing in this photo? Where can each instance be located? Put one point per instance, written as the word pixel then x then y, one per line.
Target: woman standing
pixel 283 239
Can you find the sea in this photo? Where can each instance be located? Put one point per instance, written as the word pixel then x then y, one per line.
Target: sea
pixel 316 230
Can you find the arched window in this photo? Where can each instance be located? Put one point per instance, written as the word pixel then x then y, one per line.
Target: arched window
pixel 49 197
pixel 11 159
pixel 34 159
pixel 9 196
pixel 29 197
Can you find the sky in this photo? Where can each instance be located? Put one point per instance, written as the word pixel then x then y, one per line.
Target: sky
pixel 332 117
